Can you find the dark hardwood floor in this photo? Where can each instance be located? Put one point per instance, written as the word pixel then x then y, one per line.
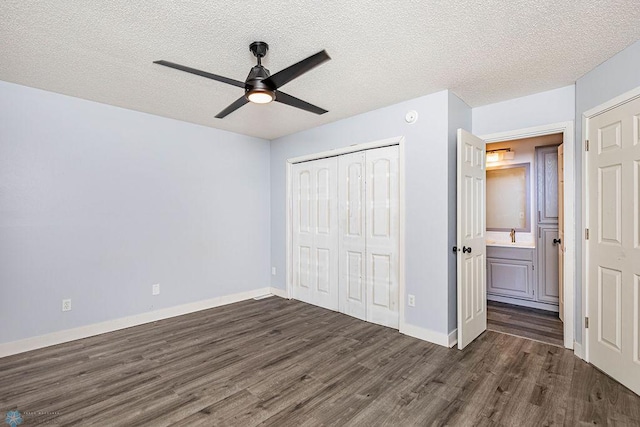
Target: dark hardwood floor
pixel 525 322
pixel 285 363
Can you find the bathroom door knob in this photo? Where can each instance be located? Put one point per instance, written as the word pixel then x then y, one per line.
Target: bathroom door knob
pixel 466 250
pixel 557 241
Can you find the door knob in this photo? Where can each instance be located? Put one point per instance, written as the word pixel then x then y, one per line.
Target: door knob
pixel 557 241
pixel 466 250
pixel 455 249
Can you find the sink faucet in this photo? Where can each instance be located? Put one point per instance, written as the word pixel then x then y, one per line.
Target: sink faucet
pixel 513 235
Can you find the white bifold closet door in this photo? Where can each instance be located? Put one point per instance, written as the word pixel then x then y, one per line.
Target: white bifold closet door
pixel 368 192
pixel 315 232
pixel 353 244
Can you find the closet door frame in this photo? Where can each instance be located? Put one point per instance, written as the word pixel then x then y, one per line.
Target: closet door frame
pixel 399 141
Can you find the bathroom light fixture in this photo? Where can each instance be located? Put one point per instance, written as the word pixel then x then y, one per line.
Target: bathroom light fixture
pixel 493 157
pixel 500 154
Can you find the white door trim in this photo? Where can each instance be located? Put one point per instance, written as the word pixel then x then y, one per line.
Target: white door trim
pixel 398 140
pixel 602 108
pixel 569 210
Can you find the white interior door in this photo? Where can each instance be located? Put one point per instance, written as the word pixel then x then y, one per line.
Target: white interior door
pixel 561 231
pixel 471 224
pixel 382 227
pixel 613 209
pixel 315 233
pixel 351 211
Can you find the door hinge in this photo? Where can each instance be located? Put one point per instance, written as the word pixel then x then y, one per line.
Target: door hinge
pixel 586 323
pixel 586 145
pixel 586 234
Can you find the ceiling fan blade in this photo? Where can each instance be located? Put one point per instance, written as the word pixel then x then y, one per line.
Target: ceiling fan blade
pixel 231 108
pixel 298 103
pixel 283 77
pixel 201 73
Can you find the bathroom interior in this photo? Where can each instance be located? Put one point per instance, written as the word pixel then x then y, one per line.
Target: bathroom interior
pixel 524 237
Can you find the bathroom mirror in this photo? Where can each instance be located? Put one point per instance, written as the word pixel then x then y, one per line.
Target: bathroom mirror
pixel 508 198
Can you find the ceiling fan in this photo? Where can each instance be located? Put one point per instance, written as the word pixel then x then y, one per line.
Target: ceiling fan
pixel 261 87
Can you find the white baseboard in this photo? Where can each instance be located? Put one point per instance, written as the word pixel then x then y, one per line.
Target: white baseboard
pixel 59 337
pixel 578 350
pixel 427 334
pixel 453 338
pixel 279 292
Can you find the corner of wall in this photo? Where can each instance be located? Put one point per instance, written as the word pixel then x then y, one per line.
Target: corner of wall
pixel 459 115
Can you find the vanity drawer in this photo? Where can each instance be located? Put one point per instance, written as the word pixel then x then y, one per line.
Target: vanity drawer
pixel 522 254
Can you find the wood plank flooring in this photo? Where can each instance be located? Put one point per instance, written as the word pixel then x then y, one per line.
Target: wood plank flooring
pixel 525 322
pixel 285 363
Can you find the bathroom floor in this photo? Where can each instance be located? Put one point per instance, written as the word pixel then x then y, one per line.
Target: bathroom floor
pixel 539 325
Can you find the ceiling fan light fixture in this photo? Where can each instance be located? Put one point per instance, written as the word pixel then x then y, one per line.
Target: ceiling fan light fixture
pixel 260 96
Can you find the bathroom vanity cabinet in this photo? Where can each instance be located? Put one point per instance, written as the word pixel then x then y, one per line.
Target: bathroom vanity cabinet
pixel 510 272
pixel 516 275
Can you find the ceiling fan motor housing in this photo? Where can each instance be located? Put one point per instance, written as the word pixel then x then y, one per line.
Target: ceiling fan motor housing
pixel 254 82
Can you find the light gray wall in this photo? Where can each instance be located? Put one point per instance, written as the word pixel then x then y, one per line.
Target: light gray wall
pixel 544 108
pixel 97 203
pixel 459 117
pixel 614 77
pixel 427 192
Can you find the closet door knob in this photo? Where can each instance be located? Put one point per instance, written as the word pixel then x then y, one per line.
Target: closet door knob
pixel 466 250
pixel 557 241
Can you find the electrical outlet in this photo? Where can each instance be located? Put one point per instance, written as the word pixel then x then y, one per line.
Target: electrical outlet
pixel 273 271
pixel 155 289
pixel 412 300
pixel 66 305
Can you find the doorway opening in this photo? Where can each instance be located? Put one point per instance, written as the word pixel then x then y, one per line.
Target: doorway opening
pixel 530 274
pixel 524 233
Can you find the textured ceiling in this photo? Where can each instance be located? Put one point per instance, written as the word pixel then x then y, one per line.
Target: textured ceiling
pixel 382 52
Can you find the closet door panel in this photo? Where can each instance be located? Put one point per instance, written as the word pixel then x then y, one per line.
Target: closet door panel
pixel 303 275
pixel 382 231
pixel 325 291
pixel 351 199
